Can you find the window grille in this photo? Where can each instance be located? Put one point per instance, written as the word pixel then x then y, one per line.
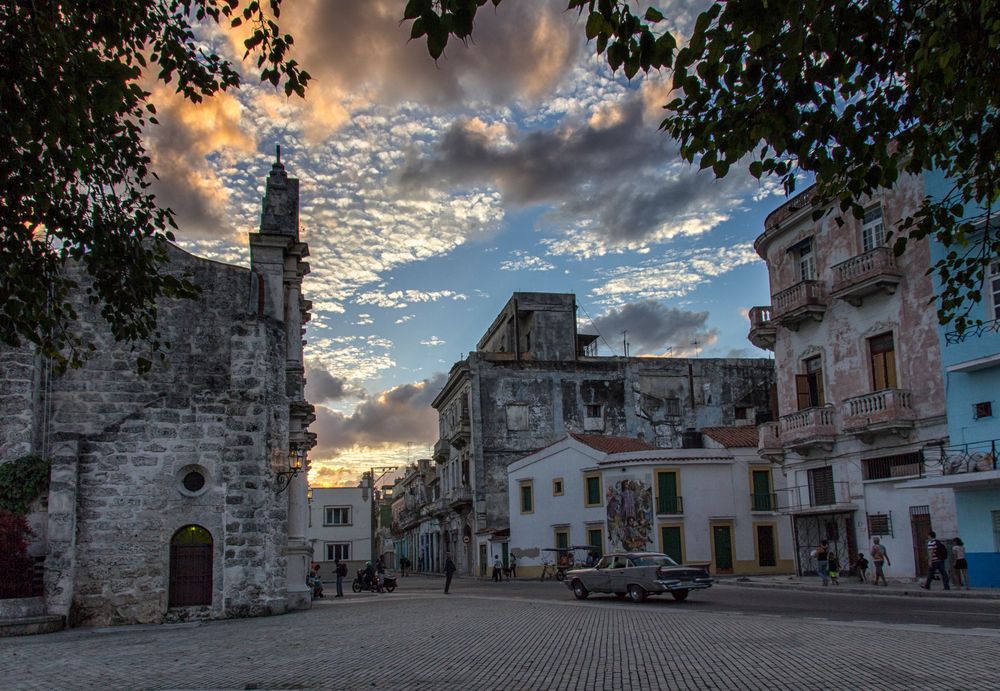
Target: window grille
pixel 900 465
pixel 880 524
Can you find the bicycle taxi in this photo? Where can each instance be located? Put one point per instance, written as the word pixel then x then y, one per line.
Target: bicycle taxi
pixel 566 559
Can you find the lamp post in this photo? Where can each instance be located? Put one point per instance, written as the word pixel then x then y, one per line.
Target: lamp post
pixel 383 471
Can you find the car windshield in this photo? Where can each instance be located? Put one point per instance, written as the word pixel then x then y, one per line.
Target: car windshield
pixel 654 560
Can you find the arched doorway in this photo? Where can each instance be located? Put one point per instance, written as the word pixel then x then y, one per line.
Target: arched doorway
pixel 191 567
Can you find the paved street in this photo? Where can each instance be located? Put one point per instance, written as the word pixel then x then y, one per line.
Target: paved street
pixel 536 636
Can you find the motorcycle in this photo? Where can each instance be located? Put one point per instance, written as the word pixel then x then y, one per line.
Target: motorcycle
pixel 362 584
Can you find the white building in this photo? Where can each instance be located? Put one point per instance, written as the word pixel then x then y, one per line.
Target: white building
pixel 340 527
pixel 714 505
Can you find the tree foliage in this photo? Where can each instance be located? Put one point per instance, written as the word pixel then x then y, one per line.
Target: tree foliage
pixel 853 92
pixel 74 172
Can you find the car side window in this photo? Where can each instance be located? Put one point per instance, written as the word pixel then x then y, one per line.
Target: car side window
pixel 619 563
pixel 629 564
pixel 604 563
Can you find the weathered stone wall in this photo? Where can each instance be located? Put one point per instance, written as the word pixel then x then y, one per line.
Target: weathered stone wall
pixel 217 405
pixel 656 399
pixel 19 388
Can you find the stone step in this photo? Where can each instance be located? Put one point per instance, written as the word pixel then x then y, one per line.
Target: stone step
pixel 28 626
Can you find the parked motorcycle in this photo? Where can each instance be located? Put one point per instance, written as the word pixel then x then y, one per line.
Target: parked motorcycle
pixel 362 584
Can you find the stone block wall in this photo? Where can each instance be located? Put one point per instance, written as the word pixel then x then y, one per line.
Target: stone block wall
pixel 19 388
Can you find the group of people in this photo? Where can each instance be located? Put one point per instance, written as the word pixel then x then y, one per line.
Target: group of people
pixel 828 564
pixel 315 581
pixel 499 570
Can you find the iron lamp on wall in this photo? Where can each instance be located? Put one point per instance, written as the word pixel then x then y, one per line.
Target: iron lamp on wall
pixel 296 457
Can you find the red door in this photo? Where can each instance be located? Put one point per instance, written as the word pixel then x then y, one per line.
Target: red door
pixel 191 567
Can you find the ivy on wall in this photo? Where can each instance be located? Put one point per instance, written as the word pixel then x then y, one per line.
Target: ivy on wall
pixel 21 482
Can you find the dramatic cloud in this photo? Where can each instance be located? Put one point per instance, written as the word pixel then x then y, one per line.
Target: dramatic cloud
pixel 321 386
pixel 324 475
pixel 400 299
pixel 397 416
pixel 653 327
pixel 614 182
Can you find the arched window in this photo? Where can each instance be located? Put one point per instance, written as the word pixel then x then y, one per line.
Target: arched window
pixel 191 567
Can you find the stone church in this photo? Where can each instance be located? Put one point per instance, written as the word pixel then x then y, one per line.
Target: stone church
pixel 180 493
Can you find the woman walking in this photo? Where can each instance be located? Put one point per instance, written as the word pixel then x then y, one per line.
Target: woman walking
pixel 961 565
pixel 879 558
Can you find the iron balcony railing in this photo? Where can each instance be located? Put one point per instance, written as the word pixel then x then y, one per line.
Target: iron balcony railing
pixel 816 495
pixel 669 504
pixel 973 457
pixel 764 501
pixel 973 331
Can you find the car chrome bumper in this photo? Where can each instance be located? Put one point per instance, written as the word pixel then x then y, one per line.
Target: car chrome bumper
pixel 697 584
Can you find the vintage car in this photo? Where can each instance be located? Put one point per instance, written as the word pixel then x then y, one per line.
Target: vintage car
pixel 636 575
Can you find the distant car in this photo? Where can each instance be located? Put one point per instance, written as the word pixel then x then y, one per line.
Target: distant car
pixel 636 575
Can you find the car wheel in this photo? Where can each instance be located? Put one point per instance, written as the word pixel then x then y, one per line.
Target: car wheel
pixel 579 590
pixel 356 586
pixel 680 595
pixel 636 593
pixel 560 576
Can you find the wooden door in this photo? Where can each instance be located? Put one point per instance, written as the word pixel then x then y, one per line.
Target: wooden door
pixel 722 539
pixel 920 525
pixel 190 567
pixel 671 542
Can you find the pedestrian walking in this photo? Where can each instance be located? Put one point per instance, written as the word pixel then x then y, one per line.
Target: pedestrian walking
pixel 960 565
pixel 403 561
pixel 340 568
pixel 937 555
pixel 822 555
pixel 449 571
pixel 880 558
pixel 513 566
pixel 497 569
pixel 833 563
pixel 861 567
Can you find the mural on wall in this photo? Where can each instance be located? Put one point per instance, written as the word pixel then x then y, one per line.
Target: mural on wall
pixel 630 514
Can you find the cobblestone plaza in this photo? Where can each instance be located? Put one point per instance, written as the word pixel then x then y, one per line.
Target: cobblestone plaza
pixel 418 638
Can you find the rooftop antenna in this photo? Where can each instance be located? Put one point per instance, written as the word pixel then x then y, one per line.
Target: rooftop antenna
pixel 277 153
pixel 625 341
pixel 697 347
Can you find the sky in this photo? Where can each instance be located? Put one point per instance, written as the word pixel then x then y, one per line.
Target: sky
pixel 429 192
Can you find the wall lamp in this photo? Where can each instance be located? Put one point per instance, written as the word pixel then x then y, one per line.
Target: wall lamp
pixel 296 456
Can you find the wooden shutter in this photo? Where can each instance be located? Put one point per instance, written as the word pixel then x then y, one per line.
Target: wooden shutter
pixel 802 390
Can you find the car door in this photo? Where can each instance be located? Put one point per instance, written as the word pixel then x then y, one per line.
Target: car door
pixel 619 574
pixel 599 580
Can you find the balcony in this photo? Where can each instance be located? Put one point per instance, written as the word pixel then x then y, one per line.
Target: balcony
pixel 442 450
pixel 808 430
pixel 769 441
pixel 766 501
pixel 970 458
pixel 762 330
pixel 803 301
pixel 459 435
pixel 866 274
pixel 460 498
pixel 811 498
pixel 669 505
pixel 882 412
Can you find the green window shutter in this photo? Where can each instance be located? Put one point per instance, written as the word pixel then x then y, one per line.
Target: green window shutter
pixel 666 493
pixel 593 490
pixel 525 498
pixel 594 539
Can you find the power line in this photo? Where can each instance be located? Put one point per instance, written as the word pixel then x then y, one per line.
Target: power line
pixel 580 305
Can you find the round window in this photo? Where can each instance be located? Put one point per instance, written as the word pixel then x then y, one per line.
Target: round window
pixel 193 481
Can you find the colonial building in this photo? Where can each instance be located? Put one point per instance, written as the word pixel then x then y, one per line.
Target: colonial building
pixel 415 525
pixel 861 399
pixel 532 380
pixel 340 527
pixel 172 494
pixel 714 505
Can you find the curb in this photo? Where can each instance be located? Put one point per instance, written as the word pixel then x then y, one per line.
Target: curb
pixel 916 592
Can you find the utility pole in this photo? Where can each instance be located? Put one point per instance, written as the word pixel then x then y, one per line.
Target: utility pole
pixel 625 341
pixel 383 471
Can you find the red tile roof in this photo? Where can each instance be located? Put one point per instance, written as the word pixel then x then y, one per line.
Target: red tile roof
pixel 733 437
pixel 614 444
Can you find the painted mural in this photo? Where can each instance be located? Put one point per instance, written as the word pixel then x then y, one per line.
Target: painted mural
pixel 630 514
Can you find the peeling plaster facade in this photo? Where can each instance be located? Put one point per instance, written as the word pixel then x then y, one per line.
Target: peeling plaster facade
pixel 531 381
pixel 861 400
pixel 227 405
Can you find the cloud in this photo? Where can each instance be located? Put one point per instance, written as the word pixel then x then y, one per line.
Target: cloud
pixel 321 386
pixel 405 318
pixel 397 416
pixel 613 182
pixel 364 320
pixel 179 145
pixel 400 299
pixel 432 341
pixel 653 327
pixel 525 262
pixel 673 274
pixel 324 475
